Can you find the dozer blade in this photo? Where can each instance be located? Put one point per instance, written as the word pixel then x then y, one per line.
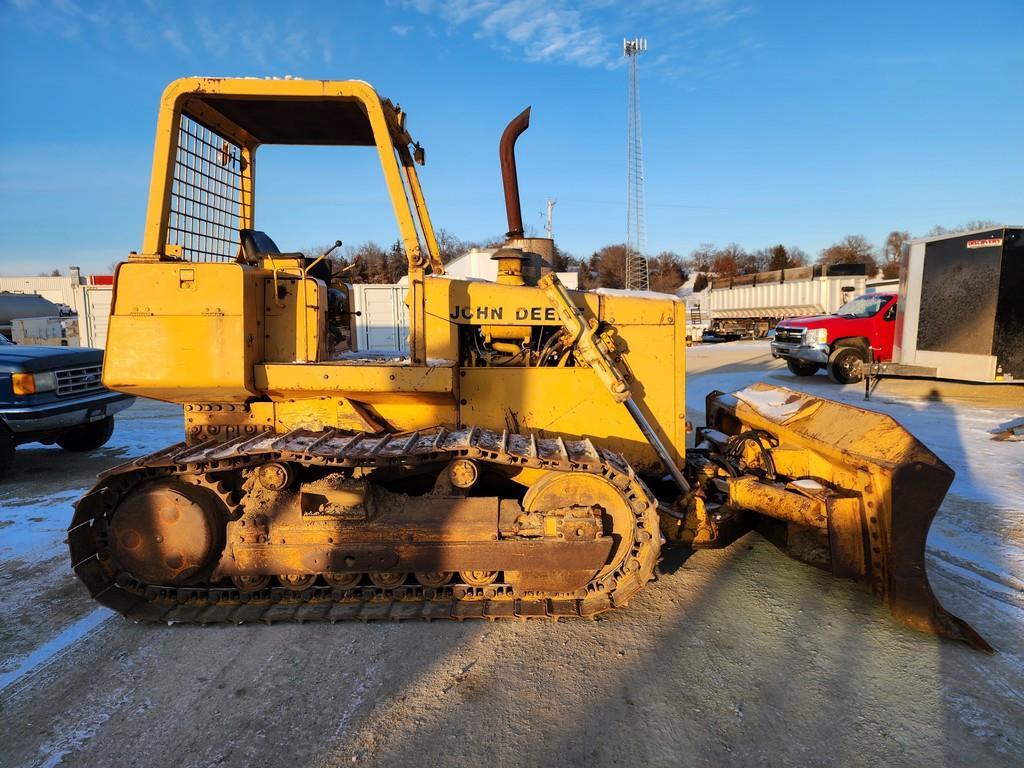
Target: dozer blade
pixel 855 477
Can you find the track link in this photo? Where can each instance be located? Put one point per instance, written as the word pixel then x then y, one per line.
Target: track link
pixel 209 464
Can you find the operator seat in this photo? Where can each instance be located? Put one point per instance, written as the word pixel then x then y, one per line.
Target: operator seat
pixel 256 244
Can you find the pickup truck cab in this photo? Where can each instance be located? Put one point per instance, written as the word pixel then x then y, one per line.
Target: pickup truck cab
pixel 54 395
pixel 839 343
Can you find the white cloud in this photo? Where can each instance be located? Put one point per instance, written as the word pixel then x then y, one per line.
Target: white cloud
pixel 586 32
pixel 401 29
pixel 257 43
pixel 215 41
pixel 173 37
pixel 326 51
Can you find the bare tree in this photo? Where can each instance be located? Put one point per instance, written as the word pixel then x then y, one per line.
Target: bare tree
pixel 702 256
pixel 606 268
pixel 970 226
pixel 892 252
pixel 796 256
pixel 753 262
pixel 727 261
pixel 667 272
pixel 449 245
pixel 852 249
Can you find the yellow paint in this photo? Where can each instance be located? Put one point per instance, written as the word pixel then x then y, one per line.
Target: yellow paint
pixel 209 333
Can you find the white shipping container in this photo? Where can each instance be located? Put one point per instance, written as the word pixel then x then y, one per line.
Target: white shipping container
pixel 94 304
pixel 382 322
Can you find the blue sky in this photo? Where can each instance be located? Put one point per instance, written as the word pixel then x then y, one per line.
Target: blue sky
pixel 763 122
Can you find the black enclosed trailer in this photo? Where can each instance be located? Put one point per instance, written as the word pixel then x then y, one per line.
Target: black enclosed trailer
pixel 961 308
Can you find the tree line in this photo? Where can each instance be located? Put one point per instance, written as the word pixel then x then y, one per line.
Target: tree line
pixel 668 270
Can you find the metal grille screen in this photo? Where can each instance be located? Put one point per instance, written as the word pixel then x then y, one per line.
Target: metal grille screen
pixel 207 199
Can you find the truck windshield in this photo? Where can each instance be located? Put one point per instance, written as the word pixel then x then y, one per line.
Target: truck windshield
pixel 863 306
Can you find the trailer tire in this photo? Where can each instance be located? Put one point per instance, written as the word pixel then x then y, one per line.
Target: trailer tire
pixel 802 367
pixel 842 365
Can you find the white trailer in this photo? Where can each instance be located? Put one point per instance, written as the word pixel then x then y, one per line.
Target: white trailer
pixel 750 305
pixel 960 315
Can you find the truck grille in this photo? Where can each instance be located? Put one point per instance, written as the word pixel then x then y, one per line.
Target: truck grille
pixel 74 381
pixel 789 335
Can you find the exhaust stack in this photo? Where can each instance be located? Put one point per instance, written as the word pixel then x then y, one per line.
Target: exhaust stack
pixel 509 178
pixel 537 252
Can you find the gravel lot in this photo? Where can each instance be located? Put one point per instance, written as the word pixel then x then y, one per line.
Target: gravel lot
pixel 732 657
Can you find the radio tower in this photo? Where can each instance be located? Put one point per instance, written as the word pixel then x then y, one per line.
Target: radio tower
pixel 637 277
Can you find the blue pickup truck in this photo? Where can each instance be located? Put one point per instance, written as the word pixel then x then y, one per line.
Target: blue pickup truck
pixel 54 395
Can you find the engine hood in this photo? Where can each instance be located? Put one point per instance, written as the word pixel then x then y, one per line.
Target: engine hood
pixel 35 359
pixel 815 321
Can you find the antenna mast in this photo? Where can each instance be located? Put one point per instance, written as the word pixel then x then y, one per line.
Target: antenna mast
pixel 551 204
pixel 637 277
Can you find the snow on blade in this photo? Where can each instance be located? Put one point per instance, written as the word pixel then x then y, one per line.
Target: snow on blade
pixel 778 405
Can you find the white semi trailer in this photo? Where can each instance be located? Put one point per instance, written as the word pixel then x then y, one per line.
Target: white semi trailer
pixel 748 306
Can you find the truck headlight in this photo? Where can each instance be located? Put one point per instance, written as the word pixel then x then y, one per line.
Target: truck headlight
pixel 816 336
pixel 30 383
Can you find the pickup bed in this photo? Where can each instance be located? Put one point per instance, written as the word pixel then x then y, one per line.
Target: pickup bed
pixel 54 395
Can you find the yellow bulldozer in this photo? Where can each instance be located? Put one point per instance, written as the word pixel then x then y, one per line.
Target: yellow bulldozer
pixel 527 458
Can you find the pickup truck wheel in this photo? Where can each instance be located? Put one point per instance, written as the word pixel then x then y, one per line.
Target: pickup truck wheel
pixel 6 450
pixel 842 365
pixel 87 437
pixel 802 367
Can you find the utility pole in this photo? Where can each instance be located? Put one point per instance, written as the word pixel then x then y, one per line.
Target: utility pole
pixel 637 276
pixel 551 204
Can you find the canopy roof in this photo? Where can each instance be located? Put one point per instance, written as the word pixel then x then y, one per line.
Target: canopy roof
pixel 310 112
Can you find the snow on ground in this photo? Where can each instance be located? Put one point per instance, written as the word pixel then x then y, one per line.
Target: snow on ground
pixel 35 500
pixel 43 612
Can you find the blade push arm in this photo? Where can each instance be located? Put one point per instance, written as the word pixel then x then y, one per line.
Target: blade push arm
pixel 593 350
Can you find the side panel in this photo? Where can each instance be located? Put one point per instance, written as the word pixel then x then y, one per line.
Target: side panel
pixel 911 270
pixel 184 332
pixel 292 334
pixel 957 277
pixel 1009 341
pixel 650 338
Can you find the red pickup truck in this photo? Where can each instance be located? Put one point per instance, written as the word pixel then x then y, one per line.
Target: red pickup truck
pixel 839 342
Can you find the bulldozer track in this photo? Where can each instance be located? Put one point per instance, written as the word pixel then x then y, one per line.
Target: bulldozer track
pixel 206 464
